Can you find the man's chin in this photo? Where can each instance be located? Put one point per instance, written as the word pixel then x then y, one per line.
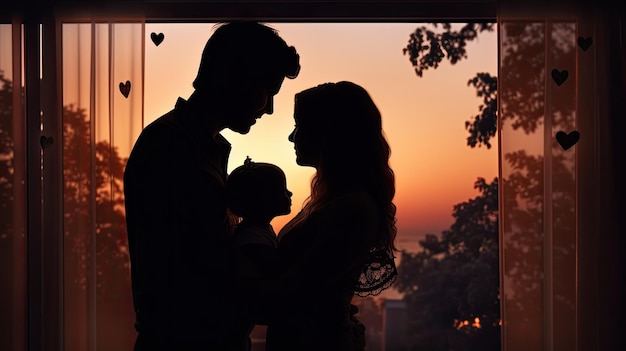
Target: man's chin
pixel 243 128
pixel 240 130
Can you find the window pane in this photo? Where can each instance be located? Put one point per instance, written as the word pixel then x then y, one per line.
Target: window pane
pixel 424 120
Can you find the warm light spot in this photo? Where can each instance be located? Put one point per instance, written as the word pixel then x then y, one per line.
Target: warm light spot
pixel 462 324
pixel 476 323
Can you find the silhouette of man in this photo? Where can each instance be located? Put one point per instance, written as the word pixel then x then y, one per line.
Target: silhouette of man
pixel 174 185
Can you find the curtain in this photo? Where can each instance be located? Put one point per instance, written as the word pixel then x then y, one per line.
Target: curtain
pixel 537 96
pixel 558 98
pixel 602 92
pixel 102 65
pixel 13 278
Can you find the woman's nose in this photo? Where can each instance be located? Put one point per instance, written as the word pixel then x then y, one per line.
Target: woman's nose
pixel 291 135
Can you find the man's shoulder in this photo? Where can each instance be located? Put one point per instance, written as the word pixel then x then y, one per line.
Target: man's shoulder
pixel 161 132
pixel 255 236
pixel 158 140
pixel 163 124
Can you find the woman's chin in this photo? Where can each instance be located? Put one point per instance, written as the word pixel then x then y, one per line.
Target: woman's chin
pixel 303 163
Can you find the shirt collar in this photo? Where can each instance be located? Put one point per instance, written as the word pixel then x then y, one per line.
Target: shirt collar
pixel 190 117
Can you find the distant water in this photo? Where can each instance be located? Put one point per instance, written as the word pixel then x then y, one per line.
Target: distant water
pixel 409 244
pixel 409 240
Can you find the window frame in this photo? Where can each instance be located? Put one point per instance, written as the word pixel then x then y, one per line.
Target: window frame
pixel 45 233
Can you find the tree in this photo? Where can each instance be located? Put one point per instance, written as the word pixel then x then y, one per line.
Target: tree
pixel 438 281
pixel 427 49
pixel 93 223
pixel 98 217
pixel 451 285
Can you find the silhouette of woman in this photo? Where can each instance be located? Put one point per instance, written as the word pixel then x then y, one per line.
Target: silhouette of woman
pixel 342 241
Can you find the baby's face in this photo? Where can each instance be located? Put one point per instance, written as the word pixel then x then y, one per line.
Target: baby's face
pixel 280 197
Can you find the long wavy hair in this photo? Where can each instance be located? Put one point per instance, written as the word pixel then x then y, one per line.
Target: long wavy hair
pixel 354 152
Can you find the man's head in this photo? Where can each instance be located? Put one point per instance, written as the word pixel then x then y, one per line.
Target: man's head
pixel 242 67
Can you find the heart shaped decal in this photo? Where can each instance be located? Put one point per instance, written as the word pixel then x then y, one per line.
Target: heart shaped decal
pixel 45 141
pixel 567 140
pixel 157 38
pixel 125 88
pixel 559 77
pixel 584 43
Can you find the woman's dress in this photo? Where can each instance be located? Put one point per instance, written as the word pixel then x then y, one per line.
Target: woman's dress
pixel 320 261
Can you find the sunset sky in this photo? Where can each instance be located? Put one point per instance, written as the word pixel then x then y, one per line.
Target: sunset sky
pixel 423 118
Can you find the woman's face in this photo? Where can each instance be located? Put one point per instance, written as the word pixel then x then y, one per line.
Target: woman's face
pixel 306 141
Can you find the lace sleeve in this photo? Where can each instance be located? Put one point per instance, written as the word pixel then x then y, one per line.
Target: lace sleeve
pixel 378 273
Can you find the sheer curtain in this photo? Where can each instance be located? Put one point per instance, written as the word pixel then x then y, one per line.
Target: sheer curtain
pixel 558 226
pixel 102 65
pixel 538 182
pixel 13 278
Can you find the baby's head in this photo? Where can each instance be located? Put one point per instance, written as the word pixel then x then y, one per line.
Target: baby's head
pixel 258 190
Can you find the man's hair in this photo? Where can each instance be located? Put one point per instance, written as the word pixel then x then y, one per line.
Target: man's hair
pixel 245 49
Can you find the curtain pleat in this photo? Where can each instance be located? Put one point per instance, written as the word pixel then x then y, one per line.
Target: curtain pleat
pixel 522 175
pixel 601 237
pixel 103 114
pixel 13 200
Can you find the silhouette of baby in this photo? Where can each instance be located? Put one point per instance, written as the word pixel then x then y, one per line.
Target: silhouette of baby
pixel 256 193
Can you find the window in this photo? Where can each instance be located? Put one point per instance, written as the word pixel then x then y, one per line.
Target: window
pixel 567 295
